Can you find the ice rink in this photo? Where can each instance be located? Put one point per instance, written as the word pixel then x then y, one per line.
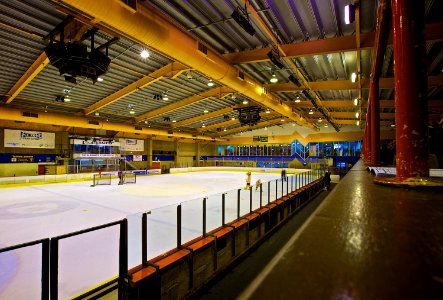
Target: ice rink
pixel 40 211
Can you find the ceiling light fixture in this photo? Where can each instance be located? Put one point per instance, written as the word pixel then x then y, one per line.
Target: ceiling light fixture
pixel 354 77
pixel 311 112
pixel 349 13
pixel 266 128
pixel 282 120
pixel 165 97
pixel 206 111
pixel 132 111
pixel 268 111
pixel 144 53
pixel 210 82
pixel 357 114
pixel 97 114
pixel 358 123
pixel 245 101
pixel 356 101
pixel 203 126
pixel 274 78
pixel 224 129
pixel 99 79
pixel 174 121
pixel 233 118
pixel 67 99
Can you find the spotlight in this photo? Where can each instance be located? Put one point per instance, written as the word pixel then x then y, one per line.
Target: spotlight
pixel 274 56
pixel 144 53
pixel 240 16
pixel 354 77
pixel 274 78
pixel 349 13
pixel 294 80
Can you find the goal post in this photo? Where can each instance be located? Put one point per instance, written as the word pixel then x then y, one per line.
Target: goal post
pixel 101 179
pixel 129 177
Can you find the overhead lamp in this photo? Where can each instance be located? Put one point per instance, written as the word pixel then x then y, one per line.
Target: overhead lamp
pixel 297 99
pixel 146 122
pixel 357 114
pixel 97 114
pixel 245 101
pixel 206 111
pixel 349 13
pixel 99 79
pixel 240 15
pixel 144 53
pixel 266 128
pixel 174 121
pixel 274 78
pixel 354 77
pixel 293 124
pixel 358 123
pixel 165 97
pixel 132 111
pixel 311 112
pixel 356 101
pixel 326 125
pixel 233 118
pixel 268 111
pixel 203 126
pixel 282 120
pixel 320 120
pixel 393 125
pixel 210 82
pixel 67 99
pixel 224 129
pixel 274 56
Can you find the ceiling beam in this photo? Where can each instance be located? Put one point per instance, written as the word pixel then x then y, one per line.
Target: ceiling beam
pixel 328 85
pixel 350 115
pixel 434 32
pixel 349 103
pixel 171 70
pixel 30 74
pixel 203 117
pixel 218 125
pixel 12 114
pixel 247 127
pixel 220 92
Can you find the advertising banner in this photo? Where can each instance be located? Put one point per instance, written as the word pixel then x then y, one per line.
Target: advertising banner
pixel 138 158
pixel 29 139
pixel 132 145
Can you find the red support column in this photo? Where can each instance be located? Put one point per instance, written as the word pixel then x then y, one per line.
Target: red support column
pixel 375 123
pixel 411 112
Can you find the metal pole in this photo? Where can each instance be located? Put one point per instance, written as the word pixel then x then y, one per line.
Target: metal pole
pixel 123 260
pixel 375 122
pixel 411 110
pixel 53 276
pixel 276 189
pixel 45 269
pixel 261 195
pixel 250 200
pixel 223 208
pixel 179 226
pixel 269 192
pixel 144 238
pixel 238 203
pixel 204 216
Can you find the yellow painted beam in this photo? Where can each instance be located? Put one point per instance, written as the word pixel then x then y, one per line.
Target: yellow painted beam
pixel 434 32
pixel 218 125
pixel 30 74
pixel 217 92
pixel 171 70
pixel 13 114
pixel 384 83
pixel 203 117
pixel 247 127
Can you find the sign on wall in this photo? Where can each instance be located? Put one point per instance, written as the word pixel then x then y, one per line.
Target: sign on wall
pixel 29 139
pixel 260 138
pixel 132 145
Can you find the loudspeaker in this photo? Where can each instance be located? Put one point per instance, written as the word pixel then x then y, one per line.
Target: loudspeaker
pixel 275 59
pixel 243 22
